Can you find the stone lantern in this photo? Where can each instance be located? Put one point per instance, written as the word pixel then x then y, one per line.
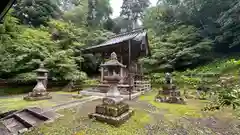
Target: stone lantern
pixel 40 90
pixel 112 110
pixel 169 92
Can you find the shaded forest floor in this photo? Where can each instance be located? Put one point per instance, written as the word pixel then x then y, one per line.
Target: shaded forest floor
pixel 150 118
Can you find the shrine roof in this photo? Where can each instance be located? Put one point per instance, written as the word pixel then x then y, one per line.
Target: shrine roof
pixel 5 6
pixel 136 35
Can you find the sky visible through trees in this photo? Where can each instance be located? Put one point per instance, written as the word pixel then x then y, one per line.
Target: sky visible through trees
pixel 116 5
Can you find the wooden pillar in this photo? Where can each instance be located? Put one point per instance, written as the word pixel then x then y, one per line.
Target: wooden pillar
pixel 102 73
pixel 121 70
pixel 130 74
pixel 102 69
pixel 141 72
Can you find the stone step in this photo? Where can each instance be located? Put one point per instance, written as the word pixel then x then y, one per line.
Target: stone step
pixel 29 118
pixel 38 114
pixel 22 120
pixel 13 125
pixel 4 130
pixel 7 113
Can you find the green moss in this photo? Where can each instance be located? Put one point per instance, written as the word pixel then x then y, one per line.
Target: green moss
pixel 175 110
pixel 18 103
pixel 134 126
pixel 73 124
pixel 147 97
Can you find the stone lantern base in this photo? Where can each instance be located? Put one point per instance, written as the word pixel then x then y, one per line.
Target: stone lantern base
pixel 112 112
pixel 169 94
pixel 170 99
pixel 35 97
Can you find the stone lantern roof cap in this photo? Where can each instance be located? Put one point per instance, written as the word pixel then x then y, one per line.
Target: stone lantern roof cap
pixel 113 62
pixel 42 69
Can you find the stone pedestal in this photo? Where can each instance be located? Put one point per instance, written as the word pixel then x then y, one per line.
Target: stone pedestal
pixel 112 110
pixel 170 94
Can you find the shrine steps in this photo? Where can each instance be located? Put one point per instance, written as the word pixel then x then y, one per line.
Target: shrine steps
pixel 23 120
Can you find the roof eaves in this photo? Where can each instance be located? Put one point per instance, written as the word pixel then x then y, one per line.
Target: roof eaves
pixel 113 41
pixel 5 8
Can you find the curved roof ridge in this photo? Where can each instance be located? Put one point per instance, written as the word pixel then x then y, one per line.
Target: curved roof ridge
pixel 127 33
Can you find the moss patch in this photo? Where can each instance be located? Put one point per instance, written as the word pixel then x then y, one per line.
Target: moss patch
pixel 74 124
pixel 7 104
pixel 192 109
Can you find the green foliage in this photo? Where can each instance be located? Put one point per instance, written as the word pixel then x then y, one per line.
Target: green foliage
pixel 25 77
pixel 23 48
pixel 228 94
pixel 77 15
pixel 132 11
pixel 219 66
pixel 66 5
pixel 99 12
pixel 190 80
pixel 175 27
pixel 25 52
pixel 230 27
pixel 91 82
pixel 179 49
pixel 37 12
pixel 62 66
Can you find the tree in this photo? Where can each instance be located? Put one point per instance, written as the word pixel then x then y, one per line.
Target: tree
pixel 78 15
pixel 120 23
pixel 177 50
pixel 209 23
pixel 24 53
pixel 229 37
pixel 99 12
pixel 132 10
pixel 66 5
pixel 36 12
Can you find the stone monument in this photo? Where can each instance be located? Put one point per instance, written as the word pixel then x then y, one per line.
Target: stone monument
pixel 112 110
pixel 39 91
pixel 169 92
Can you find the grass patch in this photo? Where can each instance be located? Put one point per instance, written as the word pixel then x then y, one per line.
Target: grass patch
pixel 72 123
pixel 192 109
pixel 8 104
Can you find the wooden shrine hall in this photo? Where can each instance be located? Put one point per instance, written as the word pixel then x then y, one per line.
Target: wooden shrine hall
pixel 129 47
